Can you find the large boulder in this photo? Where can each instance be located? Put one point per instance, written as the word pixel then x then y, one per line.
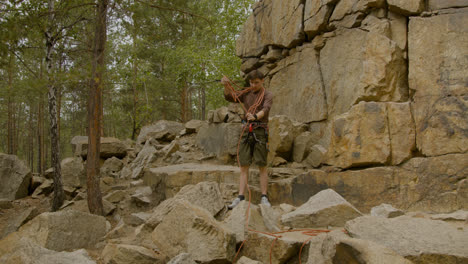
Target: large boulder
pixel 191 229
pixel 219 139
pixel 286 247
pixel 204 194
pixel 277 23
pixel 326 208
pixel 336 247
pixel 362 65
pixel 16 249
pixel 417 239
pixel 167 181
pixel 163 130
pixel 15 177
pixel 111 167
pixel 236 221
pixel 16 221
pixel 65 230
pixel 110 147
pixel 73 172
pixel 437 74
pixel 193 126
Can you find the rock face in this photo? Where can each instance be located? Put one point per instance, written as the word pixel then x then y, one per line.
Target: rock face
pixel 419 240
pixel 65 230
pixel 404 59
pixel 298 87
pixel 362 66
pixel 191 229
pixel 14 176
pixel 437 73
pixel 373 133
pixel 326 208
pixel 272 22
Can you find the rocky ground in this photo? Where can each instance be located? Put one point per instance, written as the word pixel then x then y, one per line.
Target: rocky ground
pixel 165 202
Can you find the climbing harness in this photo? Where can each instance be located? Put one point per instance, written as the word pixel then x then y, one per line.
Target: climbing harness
pixel 250 127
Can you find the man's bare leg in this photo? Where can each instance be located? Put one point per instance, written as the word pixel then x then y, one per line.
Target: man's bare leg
pixel 244 175
pixel 263 180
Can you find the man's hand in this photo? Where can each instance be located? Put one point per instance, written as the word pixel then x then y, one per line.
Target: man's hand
pixel 225 80
pixel 250 117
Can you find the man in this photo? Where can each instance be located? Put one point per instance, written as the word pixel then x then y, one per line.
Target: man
pixel 253 146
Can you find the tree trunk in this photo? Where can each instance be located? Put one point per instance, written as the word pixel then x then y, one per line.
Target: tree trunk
pixel 94 111
pixel 10 122
pixel 59 195
pixel 40 133
pixel 134 83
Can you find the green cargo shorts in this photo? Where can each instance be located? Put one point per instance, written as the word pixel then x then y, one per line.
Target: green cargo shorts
pixel 253 150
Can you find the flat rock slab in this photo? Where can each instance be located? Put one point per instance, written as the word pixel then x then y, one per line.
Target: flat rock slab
pixel 419 240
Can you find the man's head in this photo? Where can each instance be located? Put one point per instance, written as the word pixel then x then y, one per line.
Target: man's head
pixel 256 79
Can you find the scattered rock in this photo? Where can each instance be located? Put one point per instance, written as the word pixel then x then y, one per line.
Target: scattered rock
pixel 116 196
pixel 130 254
pixel 246 260
pixel 142 196
pixel 16 249
pixel 326 208
pixel 193 126
pixel 111 167
pixel 386 210
pixel 161 130
pixel 18 220
pixel 182 258
pixel 73 172
pixel 191 229
pixel 65 230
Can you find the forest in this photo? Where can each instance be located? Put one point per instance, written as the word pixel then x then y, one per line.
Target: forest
pixel 137 61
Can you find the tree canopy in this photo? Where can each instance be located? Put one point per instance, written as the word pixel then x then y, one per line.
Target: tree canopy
pixel 162 62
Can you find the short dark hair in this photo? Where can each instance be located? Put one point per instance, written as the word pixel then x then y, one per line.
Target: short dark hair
pixel 255 74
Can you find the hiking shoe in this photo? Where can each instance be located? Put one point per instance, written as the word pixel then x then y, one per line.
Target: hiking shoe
pixel 234 203
pixel 265 201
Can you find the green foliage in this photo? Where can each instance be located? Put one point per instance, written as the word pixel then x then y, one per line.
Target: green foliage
pixel 161 56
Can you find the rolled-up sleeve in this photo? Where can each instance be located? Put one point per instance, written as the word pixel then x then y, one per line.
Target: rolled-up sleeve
pixel 268 102
pixel 229 97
